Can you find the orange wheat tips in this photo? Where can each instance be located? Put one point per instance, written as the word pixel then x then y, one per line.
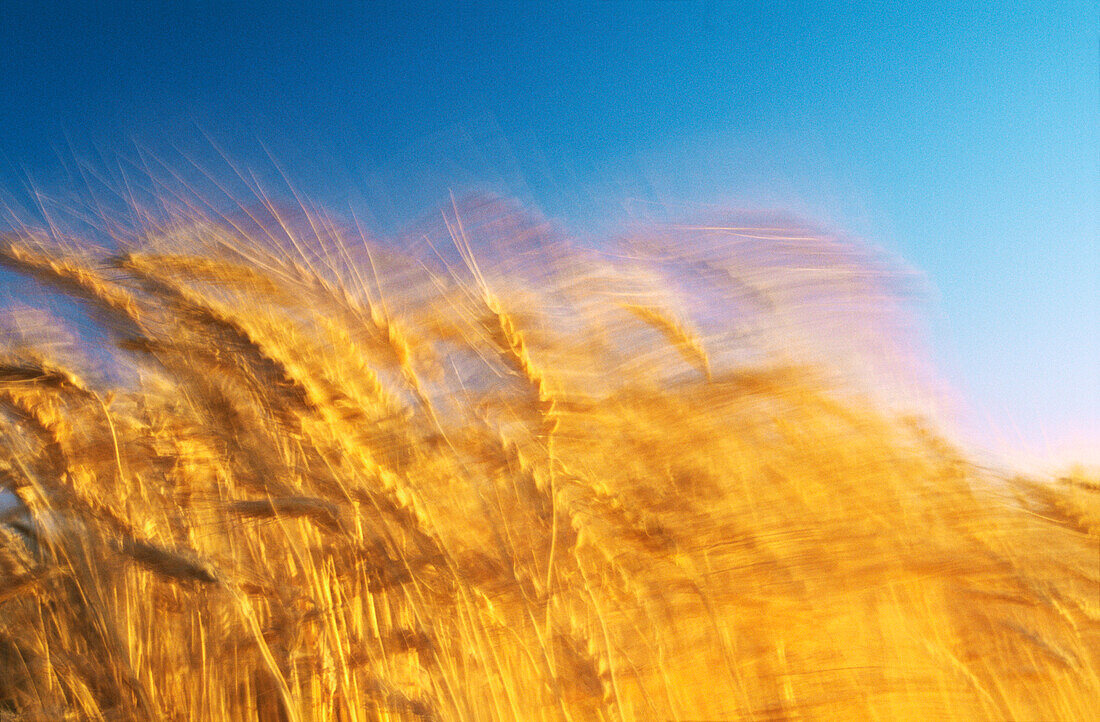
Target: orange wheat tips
pixel 277 470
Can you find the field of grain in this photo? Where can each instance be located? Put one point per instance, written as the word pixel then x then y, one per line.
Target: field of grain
pixel 262 466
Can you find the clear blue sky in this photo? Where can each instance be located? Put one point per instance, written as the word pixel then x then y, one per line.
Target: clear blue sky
pixel 965 137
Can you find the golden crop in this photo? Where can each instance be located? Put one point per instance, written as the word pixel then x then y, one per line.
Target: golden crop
pixel 270 469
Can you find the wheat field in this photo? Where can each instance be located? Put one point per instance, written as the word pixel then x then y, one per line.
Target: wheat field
pixel 261 465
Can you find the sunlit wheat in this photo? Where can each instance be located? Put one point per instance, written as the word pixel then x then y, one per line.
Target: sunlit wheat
pixel 299 474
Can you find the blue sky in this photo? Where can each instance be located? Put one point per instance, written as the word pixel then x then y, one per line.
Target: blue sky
pixel 963 137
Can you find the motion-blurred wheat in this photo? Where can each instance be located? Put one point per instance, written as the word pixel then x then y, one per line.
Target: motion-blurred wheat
pixel 263 468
